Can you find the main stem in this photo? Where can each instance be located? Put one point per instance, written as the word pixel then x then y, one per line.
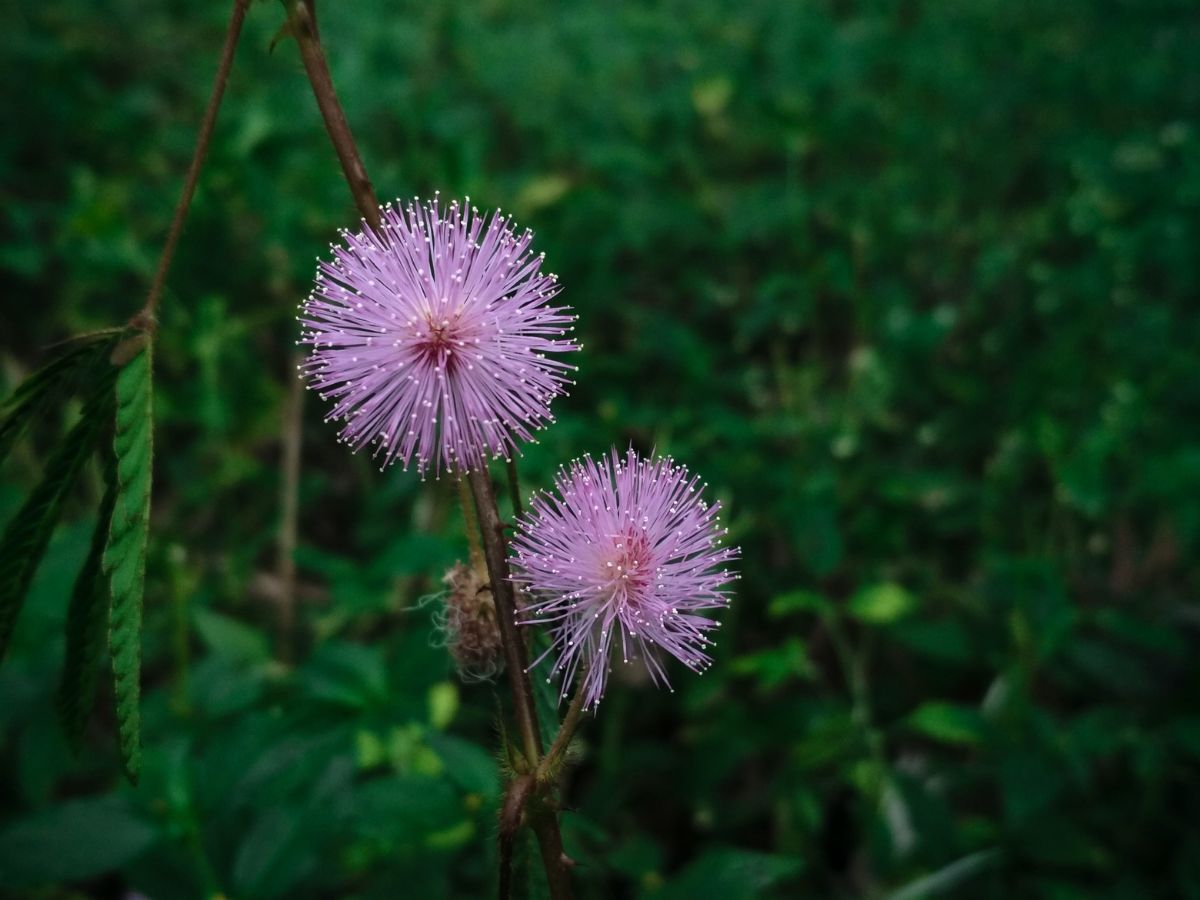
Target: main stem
pixel 233 32
pixel 302 19
pixel 495 554
pixel 540 813
pixel 539 810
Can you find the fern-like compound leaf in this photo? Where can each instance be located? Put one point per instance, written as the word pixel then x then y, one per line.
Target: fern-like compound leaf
pixel 124 560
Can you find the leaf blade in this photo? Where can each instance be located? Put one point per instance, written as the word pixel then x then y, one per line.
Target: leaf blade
pixel 27 535
pixel 87 622
pixel 45 384
pixel 124 559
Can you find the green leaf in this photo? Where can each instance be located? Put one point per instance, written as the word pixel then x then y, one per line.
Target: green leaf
pixel 950 723
pixel 775 665
pixel 27 534
pixel 49 383
pixel 443 704
pixel 797 602
pixel 226 636
pixel 728 874
pixel 125 555
pixel 71 842
pixel 881 604
pixel 87 621
pixel 948 877
pixel 468 765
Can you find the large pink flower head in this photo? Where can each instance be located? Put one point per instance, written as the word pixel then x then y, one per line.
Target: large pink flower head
pixel 627 553
pixel 430 337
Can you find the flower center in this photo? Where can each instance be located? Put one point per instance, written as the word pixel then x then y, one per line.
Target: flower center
pixel 630 567
pixel 438 340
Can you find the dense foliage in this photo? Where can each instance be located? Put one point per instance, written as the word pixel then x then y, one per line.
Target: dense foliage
pixel 913 285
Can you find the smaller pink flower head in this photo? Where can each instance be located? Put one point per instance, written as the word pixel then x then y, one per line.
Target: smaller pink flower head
pixel 430 337
pixel 626 553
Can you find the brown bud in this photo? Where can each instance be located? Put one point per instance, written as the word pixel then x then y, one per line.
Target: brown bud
pixel 471 630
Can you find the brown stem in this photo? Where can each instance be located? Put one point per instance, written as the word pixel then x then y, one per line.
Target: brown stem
pixel 302 19
pixel 146 318
pixel 302 22
pixel 541 815
pixel 512 814
pixel 496 555
pixel 554 860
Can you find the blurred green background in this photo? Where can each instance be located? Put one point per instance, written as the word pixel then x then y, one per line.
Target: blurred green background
pixel 913 285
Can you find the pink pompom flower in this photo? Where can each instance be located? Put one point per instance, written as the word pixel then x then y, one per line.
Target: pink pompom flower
pixel 431 334
pixel 625 553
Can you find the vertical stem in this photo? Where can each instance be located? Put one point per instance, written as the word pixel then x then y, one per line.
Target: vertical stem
pixel 514 487
pixel 471 524
pixel 543 820
pixel 496 555
pixel 232 34
pixel 544 823
pixel 303 22
pixel 289 513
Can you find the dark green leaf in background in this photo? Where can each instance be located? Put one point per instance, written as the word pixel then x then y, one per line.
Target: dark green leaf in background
pixel 76 840
pixel 28 532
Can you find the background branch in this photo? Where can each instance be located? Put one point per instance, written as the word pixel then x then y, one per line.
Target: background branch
pixel 146 318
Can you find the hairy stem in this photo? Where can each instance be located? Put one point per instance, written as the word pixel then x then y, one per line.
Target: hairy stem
pixel 555 861
pixel 302 19
pixel 512 814
pixel 547 771
pixel 146 318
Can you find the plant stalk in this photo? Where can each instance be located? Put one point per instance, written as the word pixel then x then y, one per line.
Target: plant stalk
pixel 542 818
pixel 302 20
pixel 547 768
pixel 495 554
pixel 146 318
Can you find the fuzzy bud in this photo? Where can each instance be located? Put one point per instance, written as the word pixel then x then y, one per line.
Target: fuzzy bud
pixel 472 634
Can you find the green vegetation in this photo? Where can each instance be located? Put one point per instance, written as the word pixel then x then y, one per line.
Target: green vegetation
pixel 915 287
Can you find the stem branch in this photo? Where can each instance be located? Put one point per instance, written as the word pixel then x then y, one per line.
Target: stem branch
pixel 302 19
pixel 146 318
pixel 547 769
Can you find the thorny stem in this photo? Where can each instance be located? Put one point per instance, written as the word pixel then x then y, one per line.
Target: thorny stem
pixel 302 20
pixel 146 318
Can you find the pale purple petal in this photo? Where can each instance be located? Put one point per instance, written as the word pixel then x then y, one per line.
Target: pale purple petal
pixel 430 337
pixel 624 558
